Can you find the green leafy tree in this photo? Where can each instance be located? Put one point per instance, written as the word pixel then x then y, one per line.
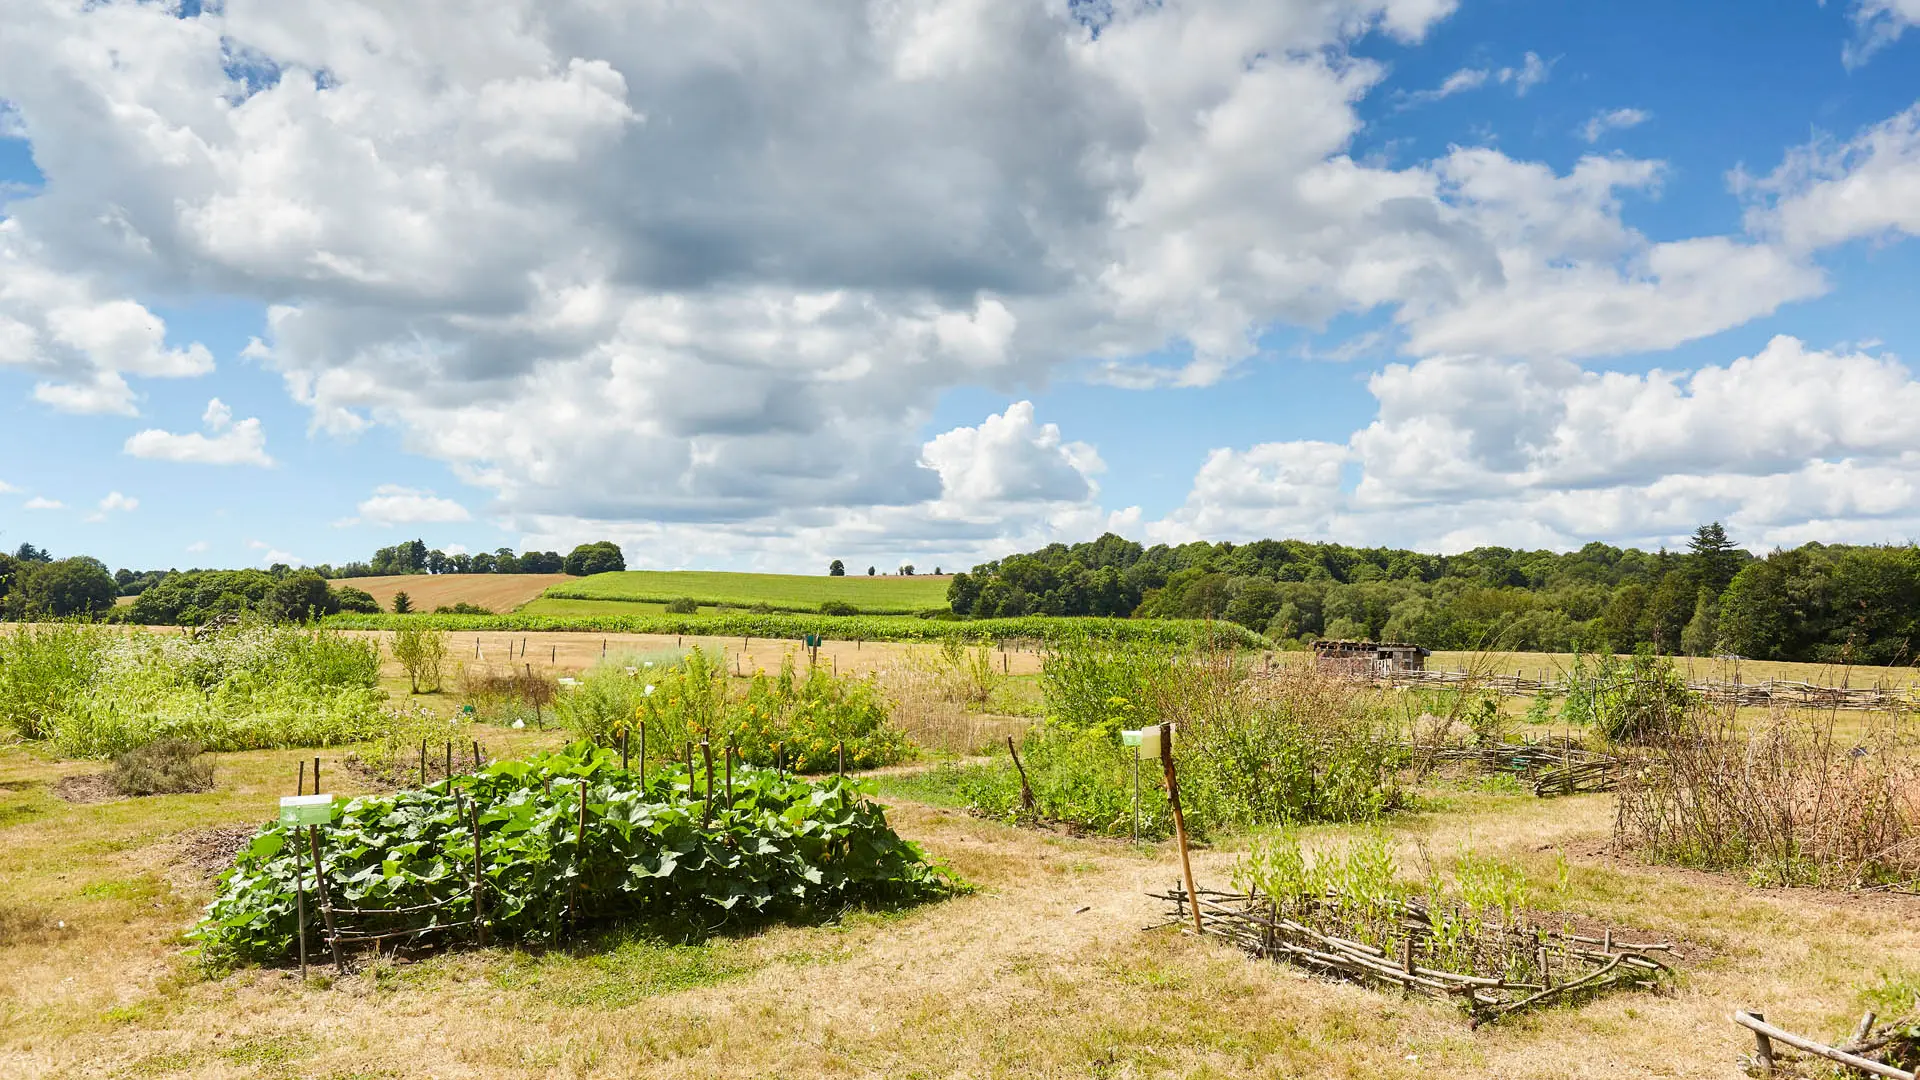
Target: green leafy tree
pixel 837 569
pixel 422 652
pixel 301 597
pixel 64 588
pixel 1714 558
pixel 402 603
pixel 360 602
pixel 599 557
pixel 1702 632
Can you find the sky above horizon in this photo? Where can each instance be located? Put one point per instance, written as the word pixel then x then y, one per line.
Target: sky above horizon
pixel 745 286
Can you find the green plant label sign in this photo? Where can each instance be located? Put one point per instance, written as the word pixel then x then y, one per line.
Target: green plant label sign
pixel 1129 738
pixel 306 809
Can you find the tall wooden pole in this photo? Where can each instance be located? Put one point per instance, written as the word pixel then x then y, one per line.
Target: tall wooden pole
pixel 1179 821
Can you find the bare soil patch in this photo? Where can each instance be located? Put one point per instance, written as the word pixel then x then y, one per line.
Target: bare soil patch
pixel 499 593
pixel 87 788
pixel 208 851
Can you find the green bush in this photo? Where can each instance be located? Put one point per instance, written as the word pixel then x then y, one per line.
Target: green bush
pixel 422 651
pixel 1635 700
pixel 97 691
pixel 682 606
pixel 163 767
pixel 807 720
pixel 462 608
pixel 660 848
pixel 1248 753
pixel 838 607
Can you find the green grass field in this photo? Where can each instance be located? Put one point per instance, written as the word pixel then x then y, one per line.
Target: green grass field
pixel 781 592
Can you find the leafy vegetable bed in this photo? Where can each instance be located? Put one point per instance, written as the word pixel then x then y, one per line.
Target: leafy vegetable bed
pixel 665 847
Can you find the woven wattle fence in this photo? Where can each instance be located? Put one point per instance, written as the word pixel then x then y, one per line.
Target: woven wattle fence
pixel 1517 965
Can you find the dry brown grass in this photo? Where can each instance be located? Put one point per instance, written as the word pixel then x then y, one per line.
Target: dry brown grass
pixel 1696 669
pixel 1042 972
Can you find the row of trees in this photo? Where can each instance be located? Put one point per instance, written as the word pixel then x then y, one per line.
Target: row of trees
pixel 1815 602
pixel 34 584
pixel 414 557
pixel 836 568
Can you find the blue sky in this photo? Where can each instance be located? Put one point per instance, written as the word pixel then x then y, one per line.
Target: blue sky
pixel 1418 273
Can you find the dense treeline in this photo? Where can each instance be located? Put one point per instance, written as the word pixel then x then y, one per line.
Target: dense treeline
pixel 35 585
pixel 414 557
pixel 1815 602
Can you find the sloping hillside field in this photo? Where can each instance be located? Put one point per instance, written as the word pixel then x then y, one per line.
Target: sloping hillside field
pixel 496 592
pixel 782 592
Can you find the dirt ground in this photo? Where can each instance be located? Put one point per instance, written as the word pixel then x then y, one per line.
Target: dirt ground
pixel 498 593
pixel 1042 971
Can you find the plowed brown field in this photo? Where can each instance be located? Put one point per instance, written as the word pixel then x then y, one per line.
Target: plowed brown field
pixel 499 593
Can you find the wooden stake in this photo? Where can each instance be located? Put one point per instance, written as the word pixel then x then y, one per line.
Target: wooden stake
pixel 643 753
pixel 706 813
pixel 449 759
pixel 316 774
pixel 326 905
pixel 301 789
pixel 479 881
pixel 1762 1046
pixel 728 753
pixel 479 758
pixel 840 748
pixel 1027 801
pixel 623 751
pixel 1179 821
pixel 423 763
pixel 300 899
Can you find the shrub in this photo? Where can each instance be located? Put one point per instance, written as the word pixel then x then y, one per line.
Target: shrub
pixel 402 603
pixel 1786 802
pixel 1637 700
pixel 162 767
pixel 838 607
pixel 659 847
pixel 422 651
pixel 1294 748
pixel 682 606
pixel 1299 746
pixel 606 704
pixel 808 720
pixel 510 698
pixel 462 608
pixel 356 601
pixel 96 692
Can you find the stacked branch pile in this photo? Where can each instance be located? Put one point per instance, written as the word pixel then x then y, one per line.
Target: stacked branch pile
pixel 1509 966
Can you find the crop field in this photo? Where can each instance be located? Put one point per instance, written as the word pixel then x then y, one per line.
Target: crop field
pixel 1696 669
pixel 1037 967
pixel 495 592
pixel 1042 971
pixel 880 595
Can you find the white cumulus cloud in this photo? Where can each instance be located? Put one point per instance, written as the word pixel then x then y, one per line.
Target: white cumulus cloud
pixel 392 504
pixel 1788 444
pixel 1612 120
pixel 1878 24
pixel 225 441
pixel 1826 193
pixel 41 503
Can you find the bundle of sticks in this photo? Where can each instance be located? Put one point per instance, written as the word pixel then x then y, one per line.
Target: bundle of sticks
pixel 1876 1050
pixel 1529 965
pixel 1555 769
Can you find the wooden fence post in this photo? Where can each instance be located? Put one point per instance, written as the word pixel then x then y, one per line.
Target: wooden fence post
pixel 1179 822
pixel 1762 1047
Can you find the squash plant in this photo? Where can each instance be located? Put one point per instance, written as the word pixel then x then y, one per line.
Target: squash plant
pixel 658 848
